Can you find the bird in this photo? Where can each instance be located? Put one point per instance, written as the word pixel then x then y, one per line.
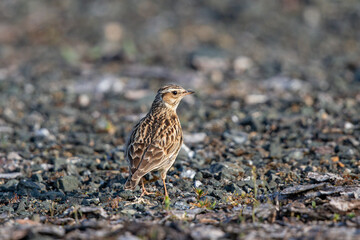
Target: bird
pixel 156 139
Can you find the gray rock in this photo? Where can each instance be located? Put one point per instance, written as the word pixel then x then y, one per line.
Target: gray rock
pixel 42 133
pixel 297 154
pixel 59 163
pixel 21 207
pixel 10 185
pixel 286 84
pixel 126 194
pixel 118 156
pixel 209 59
pixel 10 175
pixel 207 232
pixel 206 174
pixel 68 183
pixel 188 173
pixel 194 138
pixel 28 187
pixel 197 184
pixel 237 137
pixel 139 207
pixel 128 211
pixel 217 167
pixel 128 236
pixel 233 188
pixel 52 195
pixel 339 204
pixel 198 176
pixel 37 177
pixel 7 209
pixel 215 183
pixel 301 188
pixel 181 205
pixel 275 150
pixel 323 177
pixel 219 194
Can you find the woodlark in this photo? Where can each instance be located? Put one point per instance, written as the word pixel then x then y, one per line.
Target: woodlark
pixel 156 140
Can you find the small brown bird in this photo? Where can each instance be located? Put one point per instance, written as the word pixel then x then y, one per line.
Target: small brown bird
pixel 156 140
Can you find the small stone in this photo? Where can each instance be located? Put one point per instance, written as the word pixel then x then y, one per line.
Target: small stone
pixel 83 100
pixel 139 207
pixel 37 177
pixel 52 195
pixel 129 212
pixel 215 183
pixel 189 173
pixel 275 150
pixel 194 138
pixel 118 156
pixel 197 184
pixel 242 63
pixel 297 155
pixel 10 185
pixel 206 174
pixel 237 136
pixel 128 236
pixel 348 125
pixel 301 188
pixel 323 177
pixel 286 84
pixel 126 194
pixel 10 175
pixel 209 60
pixel 198 176
pixel 186 151
pixel 13 156
pixel 216 167
pixel 113 32
pixel 342 205
pixel 68 183
pixel 207 232
pixel 21 207
pixel 94 210
pixel 256 99
pixel 42 133
pixel 233 188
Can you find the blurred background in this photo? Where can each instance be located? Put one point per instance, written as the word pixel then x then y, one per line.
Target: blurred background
pixel 85 66
pixel 315 41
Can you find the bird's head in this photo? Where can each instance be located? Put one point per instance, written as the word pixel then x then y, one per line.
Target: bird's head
pixel 171 95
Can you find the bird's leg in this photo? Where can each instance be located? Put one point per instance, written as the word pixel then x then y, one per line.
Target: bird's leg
pixel 144 192
pixel 166 193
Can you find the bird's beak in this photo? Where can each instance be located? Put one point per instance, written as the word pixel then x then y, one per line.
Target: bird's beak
pixel 188 92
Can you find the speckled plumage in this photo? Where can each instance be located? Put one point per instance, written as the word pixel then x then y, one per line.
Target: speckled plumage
pixel 156 140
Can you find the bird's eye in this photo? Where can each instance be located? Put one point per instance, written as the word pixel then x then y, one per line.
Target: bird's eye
pixel 174 92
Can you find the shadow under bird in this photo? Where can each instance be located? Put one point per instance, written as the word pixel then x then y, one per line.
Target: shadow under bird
pixel 155 141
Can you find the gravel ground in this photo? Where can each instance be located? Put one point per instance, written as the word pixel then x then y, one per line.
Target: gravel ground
pixel 272 135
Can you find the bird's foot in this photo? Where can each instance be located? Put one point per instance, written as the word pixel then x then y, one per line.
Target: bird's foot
pixel 144 193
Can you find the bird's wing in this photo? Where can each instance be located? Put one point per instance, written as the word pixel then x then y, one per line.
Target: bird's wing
pixel 151 142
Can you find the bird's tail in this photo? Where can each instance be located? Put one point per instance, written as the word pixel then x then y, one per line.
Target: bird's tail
pixel 131 183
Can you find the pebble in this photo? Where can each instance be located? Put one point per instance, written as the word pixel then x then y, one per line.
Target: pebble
pixel 10 175
pixel 207 232
pixel 242 63
pixel 208 60
pixel 42 133
pixel 197 184
pixel 189 173
pixel 68 183
pixel 237 137
pixel 256 99
pixel 194 138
